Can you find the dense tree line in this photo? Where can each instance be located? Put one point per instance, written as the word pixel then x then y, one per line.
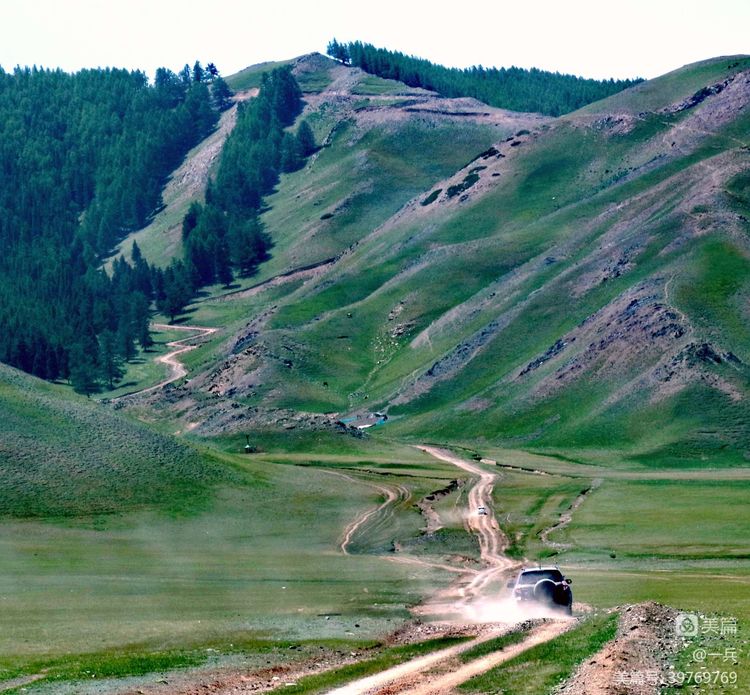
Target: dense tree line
pixel 512 88
pixel 224 235
pixel 83 158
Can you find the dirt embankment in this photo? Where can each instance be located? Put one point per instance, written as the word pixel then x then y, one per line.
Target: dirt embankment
pixel 636 661
pixel 426 508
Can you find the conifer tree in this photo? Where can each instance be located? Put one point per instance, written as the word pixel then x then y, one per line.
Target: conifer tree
pixel 110 360
pixel 306 139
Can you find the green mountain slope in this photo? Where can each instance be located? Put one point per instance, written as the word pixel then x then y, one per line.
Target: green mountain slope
pixel 63 455
pixel 581 284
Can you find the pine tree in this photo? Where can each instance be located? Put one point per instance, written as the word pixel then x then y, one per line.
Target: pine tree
pixel 221 94
pixel 141 328
pixel 190 221
pixel 512 88
pixel 306 139
pixel 84 371
pixel 247 244
pixel 338 51
pixel 291 157
pixel 88 154
pixel 177 290
pixel 110 360
pixel 198 72
pixel 125 337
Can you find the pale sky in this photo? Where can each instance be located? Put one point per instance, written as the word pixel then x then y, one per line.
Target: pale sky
pixel 592 38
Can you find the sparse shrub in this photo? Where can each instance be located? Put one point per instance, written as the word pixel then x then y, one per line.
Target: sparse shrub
pixel 465 185
pixel 432 197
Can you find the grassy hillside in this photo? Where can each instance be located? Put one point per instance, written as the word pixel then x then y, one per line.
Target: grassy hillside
pixel 64 456
pixel 377 138
pixel 581 285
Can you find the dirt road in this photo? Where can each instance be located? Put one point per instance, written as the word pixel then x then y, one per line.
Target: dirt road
pixel 467 595
pixel 469 606
pixel 440 684
pixel 375 515
pixel 441 671
pixel 418 677
pixel 176 369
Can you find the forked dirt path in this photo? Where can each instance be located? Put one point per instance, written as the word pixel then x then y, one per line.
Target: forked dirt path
pixel 492 543
pixel 403 678
pixel 177 370
pixel 445 683
pixel 459 609
pixel 440 672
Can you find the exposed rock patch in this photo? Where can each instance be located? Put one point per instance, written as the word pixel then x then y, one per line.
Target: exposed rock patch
pixel 700 96
pixel 554 350
pixel 635 326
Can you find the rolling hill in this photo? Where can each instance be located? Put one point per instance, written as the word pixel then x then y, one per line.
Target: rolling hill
pixel 567 296
pixel 62 455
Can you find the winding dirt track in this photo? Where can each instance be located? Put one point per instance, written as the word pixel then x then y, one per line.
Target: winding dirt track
pixel 380 513
pixel 176 369
pixel 492 542
pixel 441 672
pixel 462 605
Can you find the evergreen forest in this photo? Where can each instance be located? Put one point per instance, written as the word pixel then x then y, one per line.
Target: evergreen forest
pixel 517 89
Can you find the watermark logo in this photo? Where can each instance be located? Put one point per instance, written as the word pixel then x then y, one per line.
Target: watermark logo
pixel 687 625
pixel 713 661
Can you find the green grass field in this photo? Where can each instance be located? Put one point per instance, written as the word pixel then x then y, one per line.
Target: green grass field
pixel 261 560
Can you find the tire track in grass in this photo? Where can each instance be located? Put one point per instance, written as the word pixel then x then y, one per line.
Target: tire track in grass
pixel 414 677
pixel 441 684
pixel 391 494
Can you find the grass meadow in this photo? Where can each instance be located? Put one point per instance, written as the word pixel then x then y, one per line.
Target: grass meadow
pixel 259 561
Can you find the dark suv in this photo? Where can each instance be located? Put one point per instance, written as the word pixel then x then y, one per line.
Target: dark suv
pixel 543 585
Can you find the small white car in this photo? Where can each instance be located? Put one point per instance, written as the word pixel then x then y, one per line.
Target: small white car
pixel 482 511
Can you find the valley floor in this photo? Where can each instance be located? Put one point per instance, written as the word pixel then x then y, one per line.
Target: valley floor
pixel 251 593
